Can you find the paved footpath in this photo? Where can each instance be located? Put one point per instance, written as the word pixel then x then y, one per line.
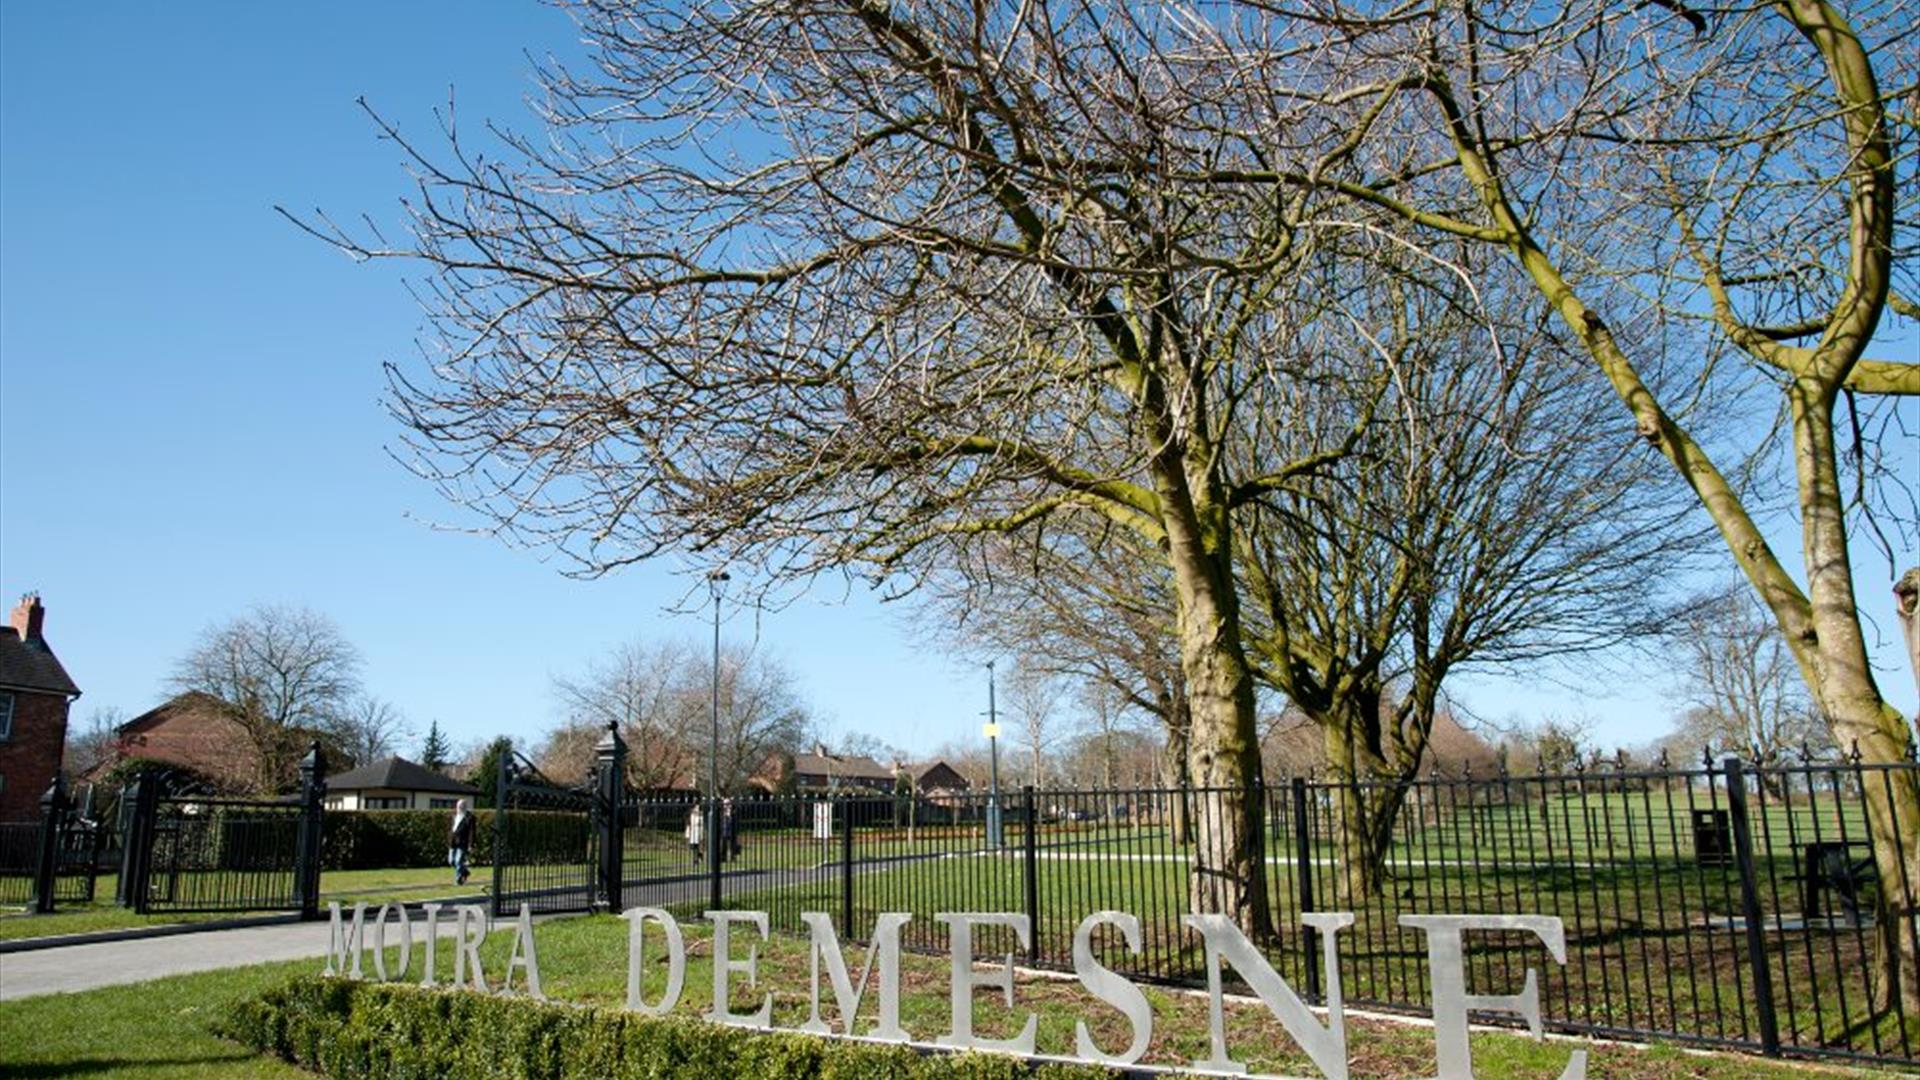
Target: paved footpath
pixel 111 963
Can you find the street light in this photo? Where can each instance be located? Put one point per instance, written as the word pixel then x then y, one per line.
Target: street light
pixel 993 752
pixel 715 581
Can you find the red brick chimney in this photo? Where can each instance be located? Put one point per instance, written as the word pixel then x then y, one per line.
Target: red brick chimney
pixel 28 617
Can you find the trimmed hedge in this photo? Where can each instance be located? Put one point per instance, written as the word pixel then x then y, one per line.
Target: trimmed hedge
pixel 377 839
pixel 352 1030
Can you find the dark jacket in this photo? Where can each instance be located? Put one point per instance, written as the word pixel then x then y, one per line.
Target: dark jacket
pixel 462 834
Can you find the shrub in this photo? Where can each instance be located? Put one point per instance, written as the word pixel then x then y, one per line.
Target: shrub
pixel 353 1030
pixel 369 839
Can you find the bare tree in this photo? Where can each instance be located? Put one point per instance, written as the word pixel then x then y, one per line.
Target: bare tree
pixel 947 281
pixel 1112 732
pixel 1728 199
pixel 565 755
pixel 368 728
pixel 1033 704
pixel 1739 678
pixel 1487 518
pixel 761 714
pixel 1087 604
pixel 282 674
pixel 651 690
pixel 660 695
pixel 95 743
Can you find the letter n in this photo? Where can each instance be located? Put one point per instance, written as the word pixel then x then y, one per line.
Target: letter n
pixel 1326 1046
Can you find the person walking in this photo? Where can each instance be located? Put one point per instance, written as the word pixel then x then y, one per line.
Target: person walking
pixel 729 841
pixel 694 830
pixel 460 840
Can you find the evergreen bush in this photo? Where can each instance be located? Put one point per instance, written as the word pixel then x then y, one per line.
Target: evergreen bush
pixel 350 1030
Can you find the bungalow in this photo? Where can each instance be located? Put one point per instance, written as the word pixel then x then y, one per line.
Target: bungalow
pixel 395 784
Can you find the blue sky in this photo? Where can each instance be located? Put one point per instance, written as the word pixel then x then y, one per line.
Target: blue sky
pixel 189 387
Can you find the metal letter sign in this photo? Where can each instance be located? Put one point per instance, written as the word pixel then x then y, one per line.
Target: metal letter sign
pixel 637 919
pixel 823 943
pixel 965 979
pixel 1112 988
pixel 1451 1001
pixel 725 965
pixel 1326 1046
pixel 1225 946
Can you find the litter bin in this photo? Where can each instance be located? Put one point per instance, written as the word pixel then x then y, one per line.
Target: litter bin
pixel 1712 838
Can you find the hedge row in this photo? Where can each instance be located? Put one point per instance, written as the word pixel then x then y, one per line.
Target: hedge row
pixel 351 1030
pixel 374 839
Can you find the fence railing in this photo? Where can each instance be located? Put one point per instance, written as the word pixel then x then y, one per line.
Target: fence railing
pixel 52 860
pixel 1722 905
pixel 190 852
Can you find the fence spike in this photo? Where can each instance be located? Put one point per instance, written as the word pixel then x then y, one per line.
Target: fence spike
pixel 1854 755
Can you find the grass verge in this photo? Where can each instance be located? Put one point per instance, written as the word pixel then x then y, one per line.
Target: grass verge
pixel 160 1029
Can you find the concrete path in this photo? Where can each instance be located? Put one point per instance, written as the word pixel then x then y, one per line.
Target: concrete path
pixel 112 963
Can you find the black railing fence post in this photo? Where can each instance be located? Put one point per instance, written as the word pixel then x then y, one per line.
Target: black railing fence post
pixel 1303 869
pixel 53 815
pixel 846 869
pixel 610 765
pixel 136 853
pixel 502 797
pixel 714 854
pixel 1033 876
pixel 308 840
pixel 1750 907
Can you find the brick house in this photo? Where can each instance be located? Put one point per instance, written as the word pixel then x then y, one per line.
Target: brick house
pixel 937 782
pixel 192 730
pixel 35 694
pixel 821 772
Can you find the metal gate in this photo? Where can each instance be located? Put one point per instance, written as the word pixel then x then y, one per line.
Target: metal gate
pixel 187 851
pixel 545 842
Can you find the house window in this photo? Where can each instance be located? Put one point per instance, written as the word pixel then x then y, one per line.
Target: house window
pixel 441 804
pixel 6 715
pixel 384 802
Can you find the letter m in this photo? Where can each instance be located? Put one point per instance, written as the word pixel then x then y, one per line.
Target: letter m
pixel 346 941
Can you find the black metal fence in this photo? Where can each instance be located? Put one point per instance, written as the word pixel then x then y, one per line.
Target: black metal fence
pixel 52 860
pixel 187 851
pixel 1721 905
pixel 545 843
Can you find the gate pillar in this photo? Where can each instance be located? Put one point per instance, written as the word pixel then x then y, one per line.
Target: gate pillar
pixel 610 782
pixel 307 842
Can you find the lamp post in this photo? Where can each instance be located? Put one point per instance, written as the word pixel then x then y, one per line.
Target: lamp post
pixel 993 776
pixel 715 581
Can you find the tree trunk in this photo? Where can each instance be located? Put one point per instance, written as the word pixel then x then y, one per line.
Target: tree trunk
pixel 1363 799
pixel 1906 599
pixel 1832 654
pixel 1228 875
pixel 1174 778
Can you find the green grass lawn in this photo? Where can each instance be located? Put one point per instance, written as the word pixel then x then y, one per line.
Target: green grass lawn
pixel 1650 944
pixel 374 887
pixel 158 1030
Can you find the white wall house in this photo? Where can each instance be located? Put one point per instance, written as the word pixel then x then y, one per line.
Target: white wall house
pixel 395 784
